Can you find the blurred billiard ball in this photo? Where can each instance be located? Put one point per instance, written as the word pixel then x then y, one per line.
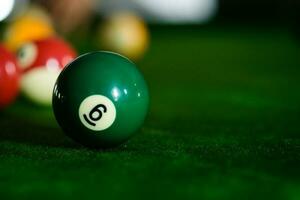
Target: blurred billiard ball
pixel 124 33
pixel 9 77
pixel 41 62
pixel 100 99
pixel 69 15
pixel 34 24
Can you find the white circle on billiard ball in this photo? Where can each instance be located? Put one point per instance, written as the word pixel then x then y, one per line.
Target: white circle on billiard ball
pixel 27 55
pixel 37 84
pixel 97 112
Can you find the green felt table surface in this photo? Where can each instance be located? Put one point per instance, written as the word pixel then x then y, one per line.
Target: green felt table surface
pixel 224 123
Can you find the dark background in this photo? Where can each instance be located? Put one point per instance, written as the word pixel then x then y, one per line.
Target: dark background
pixel 257 10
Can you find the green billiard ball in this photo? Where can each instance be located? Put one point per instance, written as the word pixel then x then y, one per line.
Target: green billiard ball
pixel 100 99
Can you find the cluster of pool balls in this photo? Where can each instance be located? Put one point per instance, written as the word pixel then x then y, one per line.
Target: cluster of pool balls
pixel 99 99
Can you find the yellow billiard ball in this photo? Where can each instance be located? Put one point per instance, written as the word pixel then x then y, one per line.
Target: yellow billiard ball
pixel 34 24
pixel 125 33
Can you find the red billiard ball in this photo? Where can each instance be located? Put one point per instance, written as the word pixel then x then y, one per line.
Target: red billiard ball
pixel 41 62
pixel 9 77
